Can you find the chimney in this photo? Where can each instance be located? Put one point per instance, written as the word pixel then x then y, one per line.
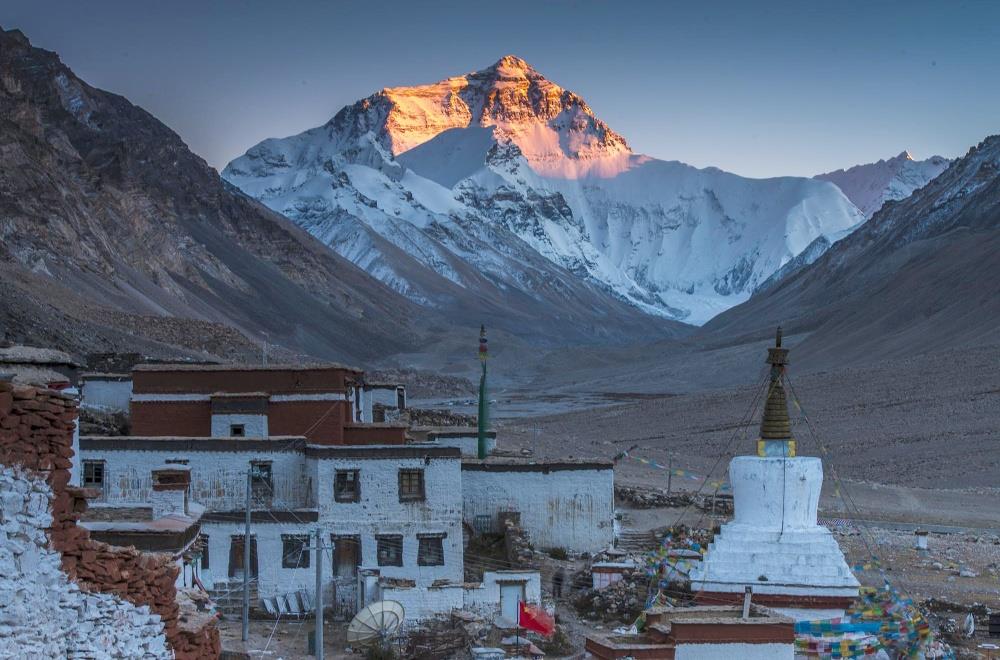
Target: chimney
pixel 170 490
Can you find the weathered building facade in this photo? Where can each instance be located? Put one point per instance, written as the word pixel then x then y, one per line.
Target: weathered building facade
pixel 391 514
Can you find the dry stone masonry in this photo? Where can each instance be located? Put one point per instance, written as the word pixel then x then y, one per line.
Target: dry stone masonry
pixel 135 591
pixel 42 613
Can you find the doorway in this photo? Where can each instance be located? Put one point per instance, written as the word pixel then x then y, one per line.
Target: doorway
pixel 511 596
pixel 236 549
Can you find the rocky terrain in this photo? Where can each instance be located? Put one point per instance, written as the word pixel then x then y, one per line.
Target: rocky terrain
pixel 925 425
pixel 109 224
pixel 920 275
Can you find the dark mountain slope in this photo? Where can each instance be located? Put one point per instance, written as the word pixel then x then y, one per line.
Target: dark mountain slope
pixel 105 205
pixel 922 273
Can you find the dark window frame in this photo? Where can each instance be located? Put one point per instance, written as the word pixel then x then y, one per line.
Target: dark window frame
pixel 410 491
pixel 262 482
pixel 355 495
pixel 242 428
pixel 393 542
pixel 430 549
pixel 298 556
pixel 89 483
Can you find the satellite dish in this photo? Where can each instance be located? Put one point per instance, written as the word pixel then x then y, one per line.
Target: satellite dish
pixel 969 627
pixel 376 623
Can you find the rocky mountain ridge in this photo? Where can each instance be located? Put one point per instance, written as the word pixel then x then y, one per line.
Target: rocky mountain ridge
pixel 921 274
pixel 108 222
pixel 871 185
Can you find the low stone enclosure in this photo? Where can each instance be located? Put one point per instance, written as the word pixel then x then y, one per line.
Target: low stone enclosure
pixel 36 437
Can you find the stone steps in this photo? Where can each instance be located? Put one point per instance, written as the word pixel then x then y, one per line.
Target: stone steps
pixel 228 597
pixel 636 541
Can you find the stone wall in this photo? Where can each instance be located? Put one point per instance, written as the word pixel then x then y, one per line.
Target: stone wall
pixel 36 433
pixel 43 613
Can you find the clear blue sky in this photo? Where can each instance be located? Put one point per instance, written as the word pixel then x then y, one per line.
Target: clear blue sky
pixel 758 88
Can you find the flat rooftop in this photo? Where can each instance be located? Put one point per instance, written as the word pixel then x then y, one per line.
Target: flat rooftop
pixel 528 464
pixel 319 366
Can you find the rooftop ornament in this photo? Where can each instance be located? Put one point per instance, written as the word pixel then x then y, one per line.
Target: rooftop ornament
pixel 775 424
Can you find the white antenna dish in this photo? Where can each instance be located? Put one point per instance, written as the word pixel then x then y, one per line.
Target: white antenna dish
pixel 376 623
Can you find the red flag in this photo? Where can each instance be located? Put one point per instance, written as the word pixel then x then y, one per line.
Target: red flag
pixel 535 618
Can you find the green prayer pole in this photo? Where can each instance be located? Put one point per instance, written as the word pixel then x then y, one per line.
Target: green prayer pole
pixel 484 406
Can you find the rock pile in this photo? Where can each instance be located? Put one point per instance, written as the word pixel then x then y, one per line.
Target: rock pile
pixel 42 613
pixel 650 498
pixel 620 601
pixel 520 553
pixel 36 433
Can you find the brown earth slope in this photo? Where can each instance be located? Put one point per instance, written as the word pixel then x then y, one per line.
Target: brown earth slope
pixel 922 273
pixel 108 222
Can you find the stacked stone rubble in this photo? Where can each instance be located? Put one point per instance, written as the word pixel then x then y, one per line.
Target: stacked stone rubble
pixel 43 613
pixel 36 429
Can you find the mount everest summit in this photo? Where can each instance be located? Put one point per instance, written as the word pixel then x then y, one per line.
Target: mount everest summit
pixel 502 181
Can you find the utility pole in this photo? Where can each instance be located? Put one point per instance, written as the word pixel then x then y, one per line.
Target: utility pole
pixel 319 593
pixel 670 472
pixel 246 563
pixel 484 404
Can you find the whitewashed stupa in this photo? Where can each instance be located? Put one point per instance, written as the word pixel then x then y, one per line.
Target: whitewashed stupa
pixel 774 544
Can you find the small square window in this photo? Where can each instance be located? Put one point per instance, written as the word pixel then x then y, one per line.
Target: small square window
pixel 390 550
pixel 346 487
pixel 93 474
pixel 411 485
pixel 430 550
pixel 294 551
pixel 237 430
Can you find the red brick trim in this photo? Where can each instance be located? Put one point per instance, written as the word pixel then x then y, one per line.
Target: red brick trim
pixel 775 600
pixel 36 432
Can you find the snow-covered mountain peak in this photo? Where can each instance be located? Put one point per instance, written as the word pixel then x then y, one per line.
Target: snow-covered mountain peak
pixel 503 174
pixel 870 186
pixel 511 67
pixel 554 128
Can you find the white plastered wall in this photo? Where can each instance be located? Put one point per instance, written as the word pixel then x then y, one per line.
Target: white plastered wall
pixel 571 509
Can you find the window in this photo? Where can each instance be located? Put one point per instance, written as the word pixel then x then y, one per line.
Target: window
pixel 390 550
pixel 93 475
pixel 346 555
pixel 237 430
pixel 294 551
pixel 411 485
pixel 261 482
pixel 430 549
pixel 346 487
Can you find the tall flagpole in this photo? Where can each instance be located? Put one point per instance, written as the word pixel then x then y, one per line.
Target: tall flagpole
pixel 484 406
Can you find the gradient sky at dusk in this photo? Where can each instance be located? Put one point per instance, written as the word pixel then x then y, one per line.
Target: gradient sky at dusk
pixel 760 89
